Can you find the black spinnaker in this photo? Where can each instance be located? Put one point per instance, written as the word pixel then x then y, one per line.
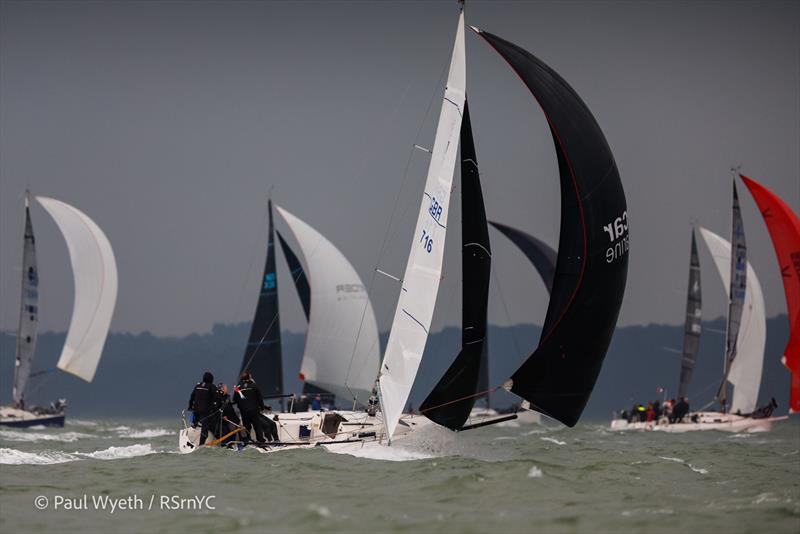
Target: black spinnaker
pixel 298 275
pixel 538 252
pixel 693 326
pixel 262 357
pixel 592 264
pixel 451 401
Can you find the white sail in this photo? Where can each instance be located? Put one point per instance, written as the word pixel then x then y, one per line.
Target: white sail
pixel 95 272
pixel 414 312
pixel 745 372
pixel 342 352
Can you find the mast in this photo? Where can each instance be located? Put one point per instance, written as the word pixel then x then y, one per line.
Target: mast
pixel 28 309
pixel 451 400
pixel 693 325
pixel 420 285
pixel 263 355
pixel 736 294
pixel 592 263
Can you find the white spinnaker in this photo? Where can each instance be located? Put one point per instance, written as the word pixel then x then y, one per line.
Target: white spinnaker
pixel 745 372
pixel 417 300
pixel 95 272
pixel 338 301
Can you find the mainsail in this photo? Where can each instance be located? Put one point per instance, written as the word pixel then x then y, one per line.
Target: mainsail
pixel 738 284
pixel 693 326
pixel 420 284
pixel 744 372
pixel 95 272
pixel 450 402
pixel 784 229
pixel 342 350
pixel 28 309
pixel 592 264
pixel 537 251
pixel 262 357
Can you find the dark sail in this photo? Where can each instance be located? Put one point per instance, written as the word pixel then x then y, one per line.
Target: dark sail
pixel 736 294
pixel 693 326
pixel 298 275
pixel 262 357
pixel 451 401
pixel 28 312
pixel 538 252
pixel 592 264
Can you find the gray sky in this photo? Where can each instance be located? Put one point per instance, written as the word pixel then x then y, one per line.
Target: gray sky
pixel 168 122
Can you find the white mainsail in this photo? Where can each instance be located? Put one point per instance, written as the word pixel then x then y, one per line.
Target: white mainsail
pixel 95 272
pixel 414 313
pixel 745 371
pixel 342 353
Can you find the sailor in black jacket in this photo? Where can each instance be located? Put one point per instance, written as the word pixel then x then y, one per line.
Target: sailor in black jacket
pixel 248 398
pixel 203 403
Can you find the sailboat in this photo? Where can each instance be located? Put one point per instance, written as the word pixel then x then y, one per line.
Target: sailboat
pixel 95 273
pixel 745 340
pixel 341 354
pixel 589 278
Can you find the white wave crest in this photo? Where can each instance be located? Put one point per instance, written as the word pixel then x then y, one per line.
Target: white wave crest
pixel 553 440
pixel 116 453
pixel 376 451
pixel 535 472
pixel 687 464
pixel 147 433
pixel 15 457
pixel 65 437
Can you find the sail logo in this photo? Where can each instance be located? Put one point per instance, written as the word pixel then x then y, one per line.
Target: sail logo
pixel 617 231
pixel 269 281
pixel 349 288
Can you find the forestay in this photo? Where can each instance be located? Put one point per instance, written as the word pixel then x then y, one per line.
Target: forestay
pixel 420 284
pixel 336 332
pixel 95 272
pixel 745 371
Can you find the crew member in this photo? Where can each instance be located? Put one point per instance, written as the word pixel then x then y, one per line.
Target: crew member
pixel 230 419
pixel 203 402
pixel 248 398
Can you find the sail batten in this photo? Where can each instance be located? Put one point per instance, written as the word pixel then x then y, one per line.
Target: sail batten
pixel 415 306
pixel 591 266
pixel 94 270
pixel 28 311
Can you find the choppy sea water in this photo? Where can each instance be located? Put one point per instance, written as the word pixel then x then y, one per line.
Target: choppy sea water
pixel 510 479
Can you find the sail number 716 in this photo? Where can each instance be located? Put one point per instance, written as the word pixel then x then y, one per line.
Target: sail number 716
pixel 427 241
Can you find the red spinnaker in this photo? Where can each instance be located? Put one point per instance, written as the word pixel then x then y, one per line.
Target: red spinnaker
pixel 784 229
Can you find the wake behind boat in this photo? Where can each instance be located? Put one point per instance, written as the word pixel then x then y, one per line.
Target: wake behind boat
pixel 95 272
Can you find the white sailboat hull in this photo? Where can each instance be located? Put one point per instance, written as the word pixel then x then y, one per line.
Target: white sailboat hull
pixel 308 429
pixel 722 422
